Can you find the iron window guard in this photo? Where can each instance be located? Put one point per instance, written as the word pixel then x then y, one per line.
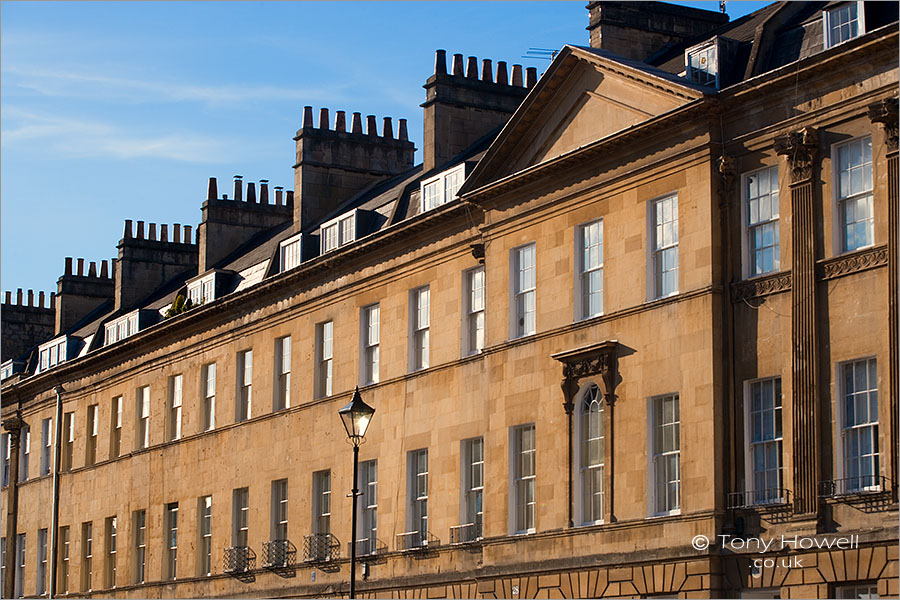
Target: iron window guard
pixel 860 485
pixel 463 534
pixel 368 547
pixel 321 547
pixel 760 498
pixel 279 554
pixel 239 559
pixel 415 540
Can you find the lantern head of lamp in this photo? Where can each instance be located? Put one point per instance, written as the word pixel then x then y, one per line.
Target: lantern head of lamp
pixel 356 417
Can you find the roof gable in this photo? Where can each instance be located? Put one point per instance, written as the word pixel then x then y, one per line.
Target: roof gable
pixel 586 95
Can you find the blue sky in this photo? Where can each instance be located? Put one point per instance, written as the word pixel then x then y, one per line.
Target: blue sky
pixel 123 110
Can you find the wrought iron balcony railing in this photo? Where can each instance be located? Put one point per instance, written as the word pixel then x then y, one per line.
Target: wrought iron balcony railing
pixel 463 534
pixel 854 486
pixel 760 498
pixel 321 547
pixel 239 559
pixel 416 540
pixel 278 554
pixel 368 546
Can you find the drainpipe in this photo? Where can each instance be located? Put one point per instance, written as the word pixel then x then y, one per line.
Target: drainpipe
pixel 54 515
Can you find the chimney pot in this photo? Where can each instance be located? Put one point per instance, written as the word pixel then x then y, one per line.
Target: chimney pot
pixel 176 232
pixel 92 269
pixel 517 75
pixel 164 232
pixel 52 299
pixel 530 77
pixel 458 65
pixel 80 270
pixel 68 265
pixel 289 197
pixel 211 192
pixel 152 235
pixel 128 231
pixel 264 189
pixel 472 67
pixel 502 76
pixel 323 118
pixel 371 129
pixel 440 62
pixel 402 133
pixel 279 195
pixel 104 269
pixel 41 300
pixel 340 121
pixel 30 297
pixel 307 117
pixel 140 230
pixel 187 234
pixel 356 127
pixel 486 70
pixel 251 192
pixel 388 130
pixel 238 188
pixel 19 297
pixel 8 298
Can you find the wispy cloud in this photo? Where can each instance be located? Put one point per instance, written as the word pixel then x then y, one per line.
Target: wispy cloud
pixel 77 138
pixel 73 84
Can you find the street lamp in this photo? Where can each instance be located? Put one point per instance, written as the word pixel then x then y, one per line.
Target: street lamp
pixel 356 417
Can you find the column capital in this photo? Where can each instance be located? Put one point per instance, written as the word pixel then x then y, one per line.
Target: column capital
pixel 13 425
pixel 800 147
pixel 885 112
pixel 725 167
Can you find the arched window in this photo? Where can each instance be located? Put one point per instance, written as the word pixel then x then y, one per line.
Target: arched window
pixel 592 454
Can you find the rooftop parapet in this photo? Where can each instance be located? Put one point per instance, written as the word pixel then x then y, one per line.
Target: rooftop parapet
pixel 465 104
pixel 79 291
pixel 25 322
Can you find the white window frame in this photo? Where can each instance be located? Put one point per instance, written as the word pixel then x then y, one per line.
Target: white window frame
pixel 87 556
pixel 290 252
pixel 282 387
pixel 368 505
pixel 47 433
pixel 471 498
pixel 321 523
pixel 841 428
pixel 278 526
pixel 706 54
pixel 142 440
pixel 521 481
pixel 659 248
pixel 21 551
pixel 656 468
pixel 24 451
pixel 240 517
pixel 6 449
pixel 776 440
pixel 338 232
pixel 171 542
pixel 53 353
pixel 243 400
pixel 417 497
pixel 773 221
pixel 121 328
pixel 115 426
pixel 204 532
pixel 586 272
pixel 586 469
pixel 473 301
pixel 370 344
pixel 42 572
pixel 829 15
pixel 176 399
pixel 93 427
pixel 208 393
pixel 419 328
pixel 65 539
pixel 68 446
pixel 139 519
pixel 202 290
pixel 866 196
pixel 522 291
pixel 857 590
pixel 324 376
pixel 441 189
pixel 111 535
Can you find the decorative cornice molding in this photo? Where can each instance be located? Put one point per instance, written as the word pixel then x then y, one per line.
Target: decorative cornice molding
pixel 862 260
pixel 762 286
pixel 801 148
pixel 599 359
pixel 885 112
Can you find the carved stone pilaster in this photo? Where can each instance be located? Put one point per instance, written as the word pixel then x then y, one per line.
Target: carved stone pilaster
pixel 885 112
pixel 13 426
pixel 801 149
pixel 728 173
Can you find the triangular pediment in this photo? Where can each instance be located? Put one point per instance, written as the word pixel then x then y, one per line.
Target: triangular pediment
pixel 585 96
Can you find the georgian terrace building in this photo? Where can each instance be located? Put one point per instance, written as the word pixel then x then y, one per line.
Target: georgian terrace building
pixel 645 300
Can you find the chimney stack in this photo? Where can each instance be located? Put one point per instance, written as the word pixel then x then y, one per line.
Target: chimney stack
pixel 211 192
pixel 264 190
pixel 340 122
pixel 79 294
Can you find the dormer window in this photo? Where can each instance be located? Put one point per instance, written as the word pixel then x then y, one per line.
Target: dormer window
pixel 6 369
pixel 52 353
pixel 702 65
pixel 121 328
pixel 339 231
pixel 442 188
pixel 203 290
pixel 844 23
pixel 290 253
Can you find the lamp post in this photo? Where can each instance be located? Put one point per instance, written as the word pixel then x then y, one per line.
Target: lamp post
pixel 356 417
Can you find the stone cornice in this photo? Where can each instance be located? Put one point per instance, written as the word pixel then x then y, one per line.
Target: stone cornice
pixel 847 264
pixel 766 285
